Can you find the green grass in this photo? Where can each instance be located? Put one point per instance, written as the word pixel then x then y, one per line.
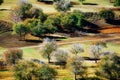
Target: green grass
pixel 99 2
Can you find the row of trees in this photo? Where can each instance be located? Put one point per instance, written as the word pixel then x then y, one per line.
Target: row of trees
pixel 43 24
pixel 108 66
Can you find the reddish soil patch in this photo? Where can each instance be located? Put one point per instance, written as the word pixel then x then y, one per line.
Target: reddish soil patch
pixel 111 30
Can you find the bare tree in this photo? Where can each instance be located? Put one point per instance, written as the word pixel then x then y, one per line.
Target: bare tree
pixel 76 48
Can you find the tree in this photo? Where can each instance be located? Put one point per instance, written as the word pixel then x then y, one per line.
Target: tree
pixel 62 5
pixel 109 67
pixel 23 70
pixel 1 1
pixel 48 47
pixel 61 56
pixel 95 51
pixel 72 21
pixel 20 29
pixel 117 3
pixel 13 55
pixel 107 14
pixel 77 66
pixel 45 73
pixel 76 48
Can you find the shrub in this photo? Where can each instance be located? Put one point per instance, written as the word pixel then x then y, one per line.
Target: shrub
pixel 107 14
pixel 13 55
pixel 45 73
pixel 23 70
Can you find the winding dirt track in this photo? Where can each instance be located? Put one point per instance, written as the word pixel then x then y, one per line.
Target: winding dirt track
pixel 70 42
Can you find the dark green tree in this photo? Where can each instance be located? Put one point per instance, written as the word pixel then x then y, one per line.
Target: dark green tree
pixel 20 29
pixel 107 14
pixel 109 67
pixel 117 3
pixel 45 73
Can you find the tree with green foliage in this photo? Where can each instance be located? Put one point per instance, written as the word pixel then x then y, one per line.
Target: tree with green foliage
pixel 107 14
pixel 13 55
pixel 20 29
pixel 77 67
pixel 72 21
pixel 23 70
pixel 49 46
pixel 117 3
pixel 45 73
pixel 109 67
pixel 1 1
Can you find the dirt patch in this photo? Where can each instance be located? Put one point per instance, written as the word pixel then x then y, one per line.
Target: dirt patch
pixel 111 30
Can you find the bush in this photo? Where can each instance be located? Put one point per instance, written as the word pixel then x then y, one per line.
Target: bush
pixel 13 55
pixel 107 14
pixel 45 73
pixel 117 3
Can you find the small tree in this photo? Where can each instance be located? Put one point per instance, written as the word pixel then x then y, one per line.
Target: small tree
pixel 117 3
pixel 61 56
pixel 62 5
pixel 107 14
pixel 13 55
pixel 45 73
pixel 1 1
pixel 109 67
pixel 76 48
pixel 95 51
pixel 23 70
pixel 48 47
pixel 20 29
pixel 77 67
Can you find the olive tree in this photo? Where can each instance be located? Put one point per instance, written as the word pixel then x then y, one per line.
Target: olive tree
pixel 109 67
pixel 20 29
pixel 61 56
pixel 13 55
pixel 45 73
pixel 62 5
pixel 77 67
pixel 49 46
pixel 95 50
pixel 107 14
pixel 76 48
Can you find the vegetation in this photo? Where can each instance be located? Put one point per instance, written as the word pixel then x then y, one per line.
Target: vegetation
pixel 21 30
pixel 48 47
pixel 77 67
pixel 107 14
pixel 109 67
pixel 45 73
pixel 13 55
pixel 62 5
pixel 117 3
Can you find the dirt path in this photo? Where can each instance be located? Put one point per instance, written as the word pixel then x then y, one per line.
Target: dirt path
pixel 70 42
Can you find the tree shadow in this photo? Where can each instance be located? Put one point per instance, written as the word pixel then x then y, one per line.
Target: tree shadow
pixel 113 22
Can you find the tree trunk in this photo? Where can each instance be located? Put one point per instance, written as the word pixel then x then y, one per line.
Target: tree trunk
pixel 48 59
pixel 75 77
